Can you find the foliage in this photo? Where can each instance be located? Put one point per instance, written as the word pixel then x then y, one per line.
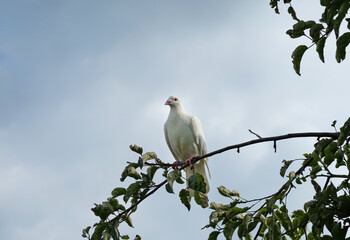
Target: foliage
pixel 318 31
pixel 115 210
pixel 264 218
pixel 326 216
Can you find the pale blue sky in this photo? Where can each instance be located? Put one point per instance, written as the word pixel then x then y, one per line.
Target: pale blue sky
pixel 82 80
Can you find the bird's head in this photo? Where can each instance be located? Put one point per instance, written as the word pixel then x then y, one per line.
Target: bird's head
pixel 173 101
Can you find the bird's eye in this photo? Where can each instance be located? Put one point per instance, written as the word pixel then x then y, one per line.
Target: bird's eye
pixel 175 99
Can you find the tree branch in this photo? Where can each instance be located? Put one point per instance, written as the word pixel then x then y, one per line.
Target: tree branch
pixel 267 139
pixel 237 146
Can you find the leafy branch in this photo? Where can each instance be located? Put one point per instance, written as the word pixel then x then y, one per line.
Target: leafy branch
pixel 112 213
pixel 331 19
pixel 330 207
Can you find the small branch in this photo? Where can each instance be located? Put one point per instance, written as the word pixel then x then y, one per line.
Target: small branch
pixel 326 184
pixel 308 37
pixel 140 200
pixel 254 133
pixel 333 176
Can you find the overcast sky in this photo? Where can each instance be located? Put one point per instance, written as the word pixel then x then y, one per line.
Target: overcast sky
pixel 82 80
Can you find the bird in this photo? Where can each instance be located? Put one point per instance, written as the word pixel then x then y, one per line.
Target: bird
pixel 185 139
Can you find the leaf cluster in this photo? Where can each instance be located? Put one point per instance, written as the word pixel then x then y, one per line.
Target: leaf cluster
pixel 124 201
pixel 318 31
pixel 326 216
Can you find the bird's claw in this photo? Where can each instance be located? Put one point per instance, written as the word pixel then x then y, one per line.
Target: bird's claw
pixel 175 165
pixel 189 161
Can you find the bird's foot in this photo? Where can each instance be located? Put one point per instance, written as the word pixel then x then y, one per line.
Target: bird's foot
pixel 175 165
pixel 189 161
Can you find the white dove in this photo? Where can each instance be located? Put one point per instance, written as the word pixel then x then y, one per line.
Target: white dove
pixel 185 139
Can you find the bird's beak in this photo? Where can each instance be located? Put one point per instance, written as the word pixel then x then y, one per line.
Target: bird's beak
pixel 167 102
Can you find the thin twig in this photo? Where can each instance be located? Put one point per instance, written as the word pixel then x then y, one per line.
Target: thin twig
pixel 254 133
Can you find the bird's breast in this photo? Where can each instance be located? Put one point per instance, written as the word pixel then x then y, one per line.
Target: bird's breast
pixel 182 140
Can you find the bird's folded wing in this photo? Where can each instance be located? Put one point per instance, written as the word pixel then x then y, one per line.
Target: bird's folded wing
pixel 198 134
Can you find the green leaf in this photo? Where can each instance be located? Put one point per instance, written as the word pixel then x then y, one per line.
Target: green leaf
pixel 112 230
pixel 285 166
pixel 169 188
pixel 228 230
pixel 342 42
pixel 224 191
pixel 118 191
pixel 201 199
pixel 344 132
pixel 196 182
pixel 334 123
pixel 341 14
pixel 296 56
pixel 213 235
pixel 234 211
pixel 271 203
pixel 329 152
pixel 246 220
pixel 295 33
pixel 314 170
pixel 315 31
pixel 248 236
pixel 125 173
pixel 133 173
pixel 309 24
pixel 114 203
pixel 338 232
pixel 136 149
pixel 185 198
pixel 292 13
pixel 219 206
pixel 316 186
pixel 97 235
pixel 308 204
pixel 172 176
pixel 120 207
pixel 252 226
pixel 85 233
pixel 276 232
pixel 145 157
pixel 125 237
pixel 151 171
pixel 283 218
pixel 132 189
pixel 348 20
pixel 217 216
pixel 227 193
pixel 102 210
pixel 325 3
pixel 137 237
pixel 299 26
pixel 128 221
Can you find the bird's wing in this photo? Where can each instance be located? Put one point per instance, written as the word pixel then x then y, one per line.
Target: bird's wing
pixel 198 134
pixel 196 127
pixel 168 142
